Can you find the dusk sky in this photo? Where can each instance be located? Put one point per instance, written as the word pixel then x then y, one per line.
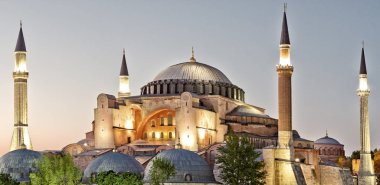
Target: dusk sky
pixel 75 51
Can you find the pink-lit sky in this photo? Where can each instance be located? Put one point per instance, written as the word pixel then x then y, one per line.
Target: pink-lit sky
pixel 75 49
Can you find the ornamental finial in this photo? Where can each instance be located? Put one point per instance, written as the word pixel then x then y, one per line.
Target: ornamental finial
pixel 327 134
pixel 192 59
pixel 285 7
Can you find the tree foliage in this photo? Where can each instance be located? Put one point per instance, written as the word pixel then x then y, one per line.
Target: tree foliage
pixel 342 161
pixel 238 162
pixel 161 171
pixel 355 154
pixel 56 170
pixel 112 178
pixel 6 179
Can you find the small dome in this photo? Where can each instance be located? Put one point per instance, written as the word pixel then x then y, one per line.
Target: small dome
pixel 116 162
pixel 19 163
pixel 327 140
pixel 192 71
pixel 190 167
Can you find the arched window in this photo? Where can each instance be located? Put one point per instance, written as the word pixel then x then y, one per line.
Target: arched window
pixel 153 135
pixel 162 121
pixel 170 119
pixel 162 135
pixel 188 178
pixel 145 135
pixel 153 123
pixel 170 135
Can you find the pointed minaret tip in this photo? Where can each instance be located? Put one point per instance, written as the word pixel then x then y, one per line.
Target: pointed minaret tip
pixel 192 59
pixel 124 69
pixel 363 68
pixel 20 45
pixel 284 32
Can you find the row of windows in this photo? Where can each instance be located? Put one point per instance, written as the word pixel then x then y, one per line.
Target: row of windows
pixel 155 135
pixel 162 121
pixel 331 152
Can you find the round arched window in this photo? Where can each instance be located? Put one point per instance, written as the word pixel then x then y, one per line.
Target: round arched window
pixel 188 178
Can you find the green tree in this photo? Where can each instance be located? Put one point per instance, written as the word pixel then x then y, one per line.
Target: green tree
pixel 355 154
pixel 6 179
pixel 238 162
pixel 161 171
pixel 56 170
pixel 112 178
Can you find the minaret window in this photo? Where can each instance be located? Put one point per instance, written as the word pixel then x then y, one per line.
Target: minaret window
pixel 153 123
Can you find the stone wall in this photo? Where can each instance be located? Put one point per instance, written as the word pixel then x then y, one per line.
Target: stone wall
pixel 331 175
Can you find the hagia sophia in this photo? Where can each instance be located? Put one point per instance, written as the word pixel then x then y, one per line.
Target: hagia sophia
pixel 183 115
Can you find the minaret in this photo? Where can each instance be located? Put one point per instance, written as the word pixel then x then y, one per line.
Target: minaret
pixel 285 71
pixel 124 90
pixel 365 174
pixel 20 136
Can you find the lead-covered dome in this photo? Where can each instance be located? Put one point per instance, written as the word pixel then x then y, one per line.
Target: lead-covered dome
pixel 189 166
pixel 192 71
pixel 113 161
pixel 19 163
pixel 327 140
pixel 193 77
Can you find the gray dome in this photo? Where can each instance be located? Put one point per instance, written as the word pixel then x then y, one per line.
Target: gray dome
pixel 116 162
pixel 19 163
pixel 187 164
pixel 327 140
pixel 192 71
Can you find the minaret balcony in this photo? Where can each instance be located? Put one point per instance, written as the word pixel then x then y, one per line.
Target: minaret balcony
pixel 19 74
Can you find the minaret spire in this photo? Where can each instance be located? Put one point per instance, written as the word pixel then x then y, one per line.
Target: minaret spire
pixel 124 68
pixel 124 90
pixel 20 45
pixel 20 138
pixel 284 32
pixel 363 68
pixel 366 173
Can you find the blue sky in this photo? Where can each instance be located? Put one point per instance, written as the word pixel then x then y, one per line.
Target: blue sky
pixel 75 51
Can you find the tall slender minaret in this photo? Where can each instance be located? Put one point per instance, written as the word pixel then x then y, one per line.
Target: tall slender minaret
pixel 285 71
pixel 20 138
pixel 124 90
pixel 366 175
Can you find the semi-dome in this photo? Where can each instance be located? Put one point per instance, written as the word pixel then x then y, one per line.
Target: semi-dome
pixel 194 77
pixel 327 140
pixel 192 71
pixel 189 166
pixel 113 161
pixel 19 163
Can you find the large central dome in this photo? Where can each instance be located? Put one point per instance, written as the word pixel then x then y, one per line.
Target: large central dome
pixel 192 71
pixel 193 77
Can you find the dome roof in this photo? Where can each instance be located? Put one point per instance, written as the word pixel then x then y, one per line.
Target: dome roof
pixel 19 163
pixel 116 162
pixel 327 140
pixel 192 71
pixel 189 166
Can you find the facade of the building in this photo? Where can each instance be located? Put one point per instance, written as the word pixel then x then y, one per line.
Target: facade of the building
pixel 190 103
